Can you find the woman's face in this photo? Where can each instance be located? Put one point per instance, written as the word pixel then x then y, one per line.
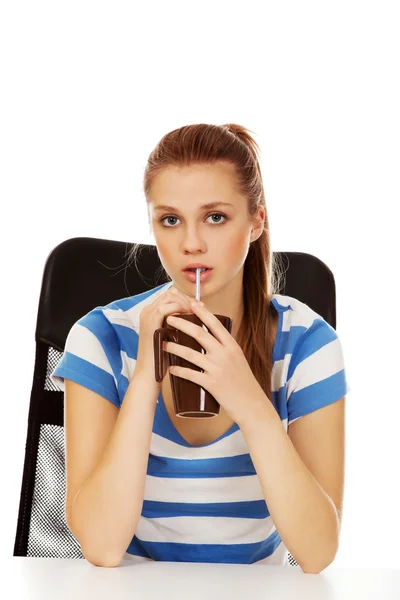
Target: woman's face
pixel 218 237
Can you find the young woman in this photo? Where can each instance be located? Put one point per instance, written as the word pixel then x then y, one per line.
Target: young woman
pixel 266 476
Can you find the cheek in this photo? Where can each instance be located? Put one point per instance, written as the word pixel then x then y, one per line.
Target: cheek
pixel 164 251
pixel 162 246
pixel 237 246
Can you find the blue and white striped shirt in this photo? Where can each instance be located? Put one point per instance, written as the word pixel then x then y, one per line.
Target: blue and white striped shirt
pixel 205 503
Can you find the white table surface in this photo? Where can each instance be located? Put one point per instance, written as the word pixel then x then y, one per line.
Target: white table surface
pixel 33 578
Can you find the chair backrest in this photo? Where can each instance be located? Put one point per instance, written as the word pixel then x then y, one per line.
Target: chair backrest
pixel 79 275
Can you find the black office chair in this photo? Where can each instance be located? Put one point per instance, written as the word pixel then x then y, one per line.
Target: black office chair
pixel 79 275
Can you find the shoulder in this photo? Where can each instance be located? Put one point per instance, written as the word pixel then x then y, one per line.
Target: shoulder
pixel 297 310
pixel 312 362
pixel 312 347
pixel 300 320
pixel 101 347
pixel 124 312
pixel 304 336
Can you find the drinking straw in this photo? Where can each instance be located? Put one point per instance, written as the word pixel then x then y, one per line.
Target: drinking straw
pixel 198 271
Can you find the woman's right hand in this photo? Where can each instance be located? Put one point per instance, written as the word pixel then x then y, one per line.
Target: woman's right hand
pixel 152 318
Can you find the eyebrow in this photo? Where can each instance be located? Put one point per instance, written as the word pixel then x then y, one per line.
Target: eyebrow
pixel 209 205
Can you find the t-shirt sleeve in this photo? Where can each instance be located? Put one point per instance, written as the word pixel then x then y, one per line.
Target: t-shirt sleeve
pixel 89 357
pixel 316 373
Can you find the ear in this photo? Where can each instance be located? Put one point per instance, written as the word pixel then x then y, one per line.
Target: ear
pixel 258 223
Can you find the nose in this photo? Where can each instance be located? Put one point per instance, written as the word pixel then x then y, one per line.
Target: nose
pixel 192 241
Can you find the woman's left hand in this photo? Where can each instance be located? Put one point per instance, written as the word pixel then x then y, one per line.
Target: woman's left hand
pixel 227 375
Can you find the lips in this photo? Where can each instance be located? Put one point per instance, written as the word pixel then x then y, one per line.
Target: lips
pixel 194 270
pixel 196 266
pixel 204 275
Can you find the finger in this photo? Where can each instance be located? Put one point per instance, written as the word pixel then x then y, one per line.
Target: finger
pixel 176 294
pixel 199 333
pixel 189 374
pixel 212 323
pixel 190 354
pixel 178 307
pixel 183 295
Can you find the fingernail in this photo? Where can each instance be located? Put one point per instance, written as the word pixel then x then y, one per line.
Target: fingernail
pixel 197 303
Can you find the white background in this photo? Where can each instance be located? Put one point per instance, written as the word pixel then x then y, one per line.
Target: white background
pixel 89 88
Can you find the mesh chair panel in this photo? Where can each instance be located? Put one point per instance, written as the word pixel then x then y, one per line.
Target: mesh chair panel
pixel 49 534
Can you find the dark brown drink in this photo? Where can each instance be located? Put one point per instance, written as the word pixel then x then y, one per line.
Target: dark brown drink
pixel 190 399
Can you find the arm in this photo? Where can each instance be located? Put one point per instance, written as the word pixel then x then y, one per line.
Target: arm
pixel 107 508
pixel 304 514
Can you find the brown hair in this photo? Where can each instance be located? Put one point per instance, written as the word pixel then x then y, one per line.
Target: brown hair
pixel 208 144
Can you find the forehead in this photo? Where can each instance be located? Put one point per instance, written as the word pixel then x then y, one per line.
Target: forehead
pixel 216 182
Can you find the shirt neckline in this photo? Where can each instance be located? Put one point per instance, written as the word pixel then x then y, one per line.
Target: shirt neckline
pixel 178 437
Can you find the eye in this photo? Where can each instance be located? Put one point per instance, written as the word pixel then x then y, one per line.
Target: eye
pixel 212 215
